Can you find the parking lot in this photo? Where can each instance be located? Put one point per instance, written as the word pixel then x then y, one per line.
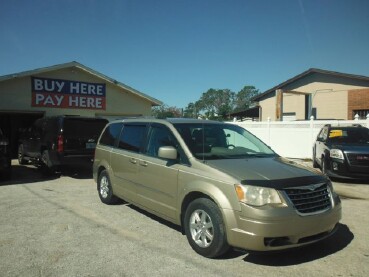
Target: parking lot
pixel 57 226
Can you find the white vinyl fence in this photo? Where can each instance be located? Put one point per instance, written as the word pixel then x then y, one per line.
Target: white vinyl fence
pixel 293 139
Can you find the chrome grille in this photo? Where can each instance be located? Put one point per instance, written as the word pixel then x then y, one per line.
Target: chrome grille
pixel 310 199
pixel 358 159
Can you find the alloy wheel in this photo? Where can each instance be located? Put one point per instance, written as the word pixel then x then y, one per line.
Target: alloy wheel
pixel 104 187
pixel 201 228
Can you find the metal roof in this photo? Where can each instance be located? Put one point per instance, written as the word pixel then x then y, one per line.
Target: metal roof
pixel 154 102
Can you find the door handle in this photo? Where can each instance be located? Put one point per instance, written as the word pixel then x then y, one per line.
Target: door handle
pixel 143 163
pixel 133 160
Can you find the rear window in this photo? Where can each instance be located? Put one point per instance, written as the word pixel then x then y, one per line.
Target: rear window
pixel 80 127
pixel 110 134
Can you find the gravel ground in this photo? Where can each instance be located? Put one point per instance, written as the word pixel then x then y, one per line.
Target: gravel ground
pixel 59 227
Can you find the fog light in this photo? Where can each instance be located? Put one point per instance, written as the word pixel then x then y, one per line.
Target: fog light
pixel 335 166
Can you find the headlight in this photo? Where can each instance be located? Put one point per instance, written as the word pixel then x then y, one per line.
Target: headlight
pixel 336 154
pixel 257 196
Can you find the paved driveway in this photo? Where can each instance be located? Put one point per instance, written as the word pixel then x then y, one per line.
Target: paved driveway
pixel 59 227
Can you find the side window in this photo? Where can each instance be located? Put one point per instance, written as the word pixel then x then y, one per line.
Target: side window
pixel 323 134
pixel 159 136
pixel 110 134
pixel 132 137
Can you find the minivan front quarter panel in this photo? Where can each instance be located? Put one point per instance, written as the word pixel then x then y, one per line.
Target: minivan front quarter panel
pixel 222 193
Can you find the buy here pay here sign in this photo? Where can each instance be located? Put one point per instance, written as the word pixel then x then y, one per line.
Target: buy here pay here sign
pixel 55 93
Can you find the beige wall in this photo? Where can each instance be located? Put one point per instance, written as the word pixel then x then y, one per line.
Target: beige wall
pixel 268 109
pixel 15 95
pixel 331 105
pixel 329 97
pixel 294 103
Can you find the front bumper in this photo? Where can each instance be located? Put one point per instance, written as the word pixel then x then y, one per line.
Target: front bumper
pixel 268 231
pixel 343 170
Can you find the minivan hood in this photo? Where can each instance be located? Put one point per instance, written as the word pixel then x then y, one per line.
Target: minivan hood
pixel 273 172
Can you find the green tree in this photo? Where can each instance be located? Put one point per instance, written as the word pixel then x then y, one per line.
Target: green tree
pixel 243 98
pixel 216 103
pixel 164 111
pixel 190 111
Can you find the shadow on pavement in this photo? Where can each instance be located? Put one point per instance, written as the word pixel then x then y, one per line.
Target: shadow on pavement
pixel 338 241
pixel 22 174
pixel 352 182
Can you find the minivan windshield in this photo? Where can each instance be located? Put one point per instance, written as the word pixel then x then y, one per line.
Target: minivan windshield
pixel 209 141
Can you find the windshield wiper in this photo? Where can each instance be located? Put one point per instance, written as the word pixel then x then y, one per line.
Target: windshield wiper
pixel 260 155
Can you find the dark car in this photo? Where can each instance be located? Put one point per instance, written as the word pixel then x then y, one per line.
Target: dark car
pixel 53 142
pixel 5 158
pixel 342 152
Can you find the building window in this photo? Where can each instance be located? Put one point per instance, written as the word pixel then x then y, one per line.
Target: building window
pixel 362 113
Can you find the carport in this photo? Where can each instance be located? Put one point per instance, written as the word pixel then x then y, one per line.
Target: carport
pixel 12 124
pixel 65 89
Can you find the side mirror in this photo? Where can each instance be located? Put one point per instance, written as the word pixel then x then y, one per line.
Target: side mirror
pixel 168 153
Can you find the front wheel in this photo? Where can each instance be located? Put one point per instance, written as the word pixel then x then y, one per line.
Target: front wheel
pixel 105 189
pixel 315 164
pixel 204 228
pixel 324 167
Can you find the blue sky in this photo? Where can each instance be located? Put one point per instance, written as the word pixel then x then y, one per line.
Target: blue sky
pixel 175 50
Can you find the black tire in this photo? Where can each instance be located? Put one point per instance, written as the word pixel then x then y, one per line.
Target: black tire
pixel 324 167
pixel 46 168
pixel 6 174
pixel 204 228
pixel 105 190
pixel 21 159
pixel 315 164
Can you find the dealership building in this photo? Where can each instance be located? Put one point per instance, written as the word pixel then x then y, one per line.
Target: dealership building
pixel 66 89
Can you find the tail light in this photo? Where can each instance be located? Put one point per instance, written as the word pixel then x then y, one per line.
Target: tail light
pixel 4 142
pixel 60 144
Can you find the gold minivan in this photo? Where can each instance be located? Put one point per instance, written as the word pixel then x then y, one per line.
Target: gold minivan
pixel 221 184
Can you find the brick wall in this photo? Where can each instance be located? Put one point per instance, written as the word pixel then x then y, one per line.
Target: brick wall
pixel 358 99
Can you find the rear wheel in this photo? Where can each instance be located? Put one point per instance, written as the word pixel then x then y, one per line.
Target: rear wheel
pixel 46 166
pixel 21 159
pixel 6 174
pixel 105 189
pixel 204 228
